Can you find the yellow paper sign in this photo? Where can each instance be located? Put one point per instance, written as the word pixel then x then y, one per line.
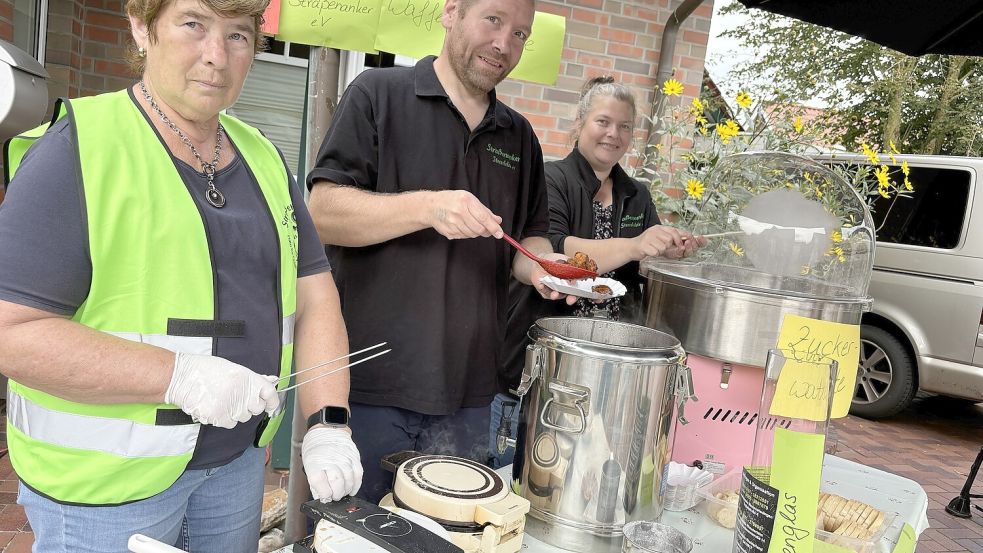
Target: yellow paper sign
pixel 410 27
pixel 806 339
pixel 796 470
pixel 540 61
pixel 343 24
pixel 802 391
pixel 906 541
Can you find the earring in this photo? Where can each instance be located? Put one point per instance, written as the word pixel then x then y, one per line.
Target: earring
pixel 141 52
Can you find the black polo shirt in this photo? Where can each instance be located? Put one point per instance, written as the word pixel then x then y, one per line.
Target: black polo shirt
pixel 572 185
pixel 441 304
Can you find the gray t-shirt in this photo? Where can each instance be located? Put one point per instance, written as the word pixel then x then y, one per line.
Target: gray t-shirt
pixel 44 260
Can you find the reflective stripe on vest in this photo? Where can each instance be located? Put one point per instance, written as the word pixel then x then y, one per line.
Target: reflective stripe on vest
pixel 114 436
pixel 151 263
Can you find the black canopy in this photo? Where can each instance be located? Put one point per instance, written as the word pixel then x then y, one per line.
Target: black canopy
pixel 915 27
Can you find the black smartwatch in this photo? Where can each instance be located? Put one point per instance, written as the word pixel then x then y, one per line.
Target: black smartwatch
pixel 330 415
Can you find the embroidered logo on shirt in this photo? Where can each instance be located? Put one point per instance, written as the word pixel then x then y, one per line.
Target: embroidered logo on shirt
pixel 631 221
pixel 503 158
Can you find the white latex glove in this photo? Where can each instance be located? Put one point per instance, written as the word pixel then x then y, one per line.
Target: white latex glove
pixel 331 462
pixel 217 391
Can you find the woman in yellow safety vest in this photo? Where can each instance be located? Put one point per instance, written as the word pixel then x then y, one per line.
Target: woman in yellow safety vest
pixel 160 273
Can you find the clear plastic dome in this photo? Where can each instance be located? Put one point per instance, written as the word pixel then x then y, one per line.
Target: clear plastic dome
pixel 780 224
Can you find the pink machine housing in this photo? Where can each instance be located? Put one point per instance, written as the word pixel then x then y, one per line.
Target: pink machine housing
pixel 723 421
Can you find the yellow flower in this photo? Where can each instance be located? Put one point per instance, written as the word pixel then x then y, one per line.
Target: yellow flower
pixel 894 150
pixel 744 99
pixel 819 193
pixel 700 120
pixel 836 252
pixel 907 184
pixel 697 107
pixel 694 189
pixel 805 270
pixel 904 168
pixel 837 236
pixel 883 191
pixel 797 125
pixel 658 147
pixel 738 251
pixel 883 180
pixel 703 130
pixel 672 87
pixel 871 154
pixel 727 130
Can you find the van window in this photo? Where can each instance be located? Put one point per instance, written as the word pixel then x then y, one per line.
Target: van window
pixel 934 213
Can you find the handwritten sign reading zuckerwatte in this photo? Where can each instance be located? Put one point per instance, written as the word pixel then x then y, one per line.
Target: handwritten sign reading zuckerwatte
pixel 343 24
pixel 815 341
pixel 802 391
pixel 413 28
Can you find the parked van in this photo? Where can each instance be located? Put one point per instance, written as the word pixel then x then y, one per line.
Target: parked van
pixel 925 330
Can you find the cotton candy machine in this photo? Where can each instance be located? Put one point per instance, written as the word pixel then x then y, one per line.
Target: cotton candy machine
pixel 795 239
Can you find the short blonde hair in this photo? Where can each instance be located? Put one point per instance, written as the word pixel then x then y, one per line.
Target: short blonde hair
pixel 148 11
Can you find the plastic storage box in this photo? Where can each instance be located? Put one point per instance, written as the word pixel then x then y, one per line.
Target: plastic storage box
pixel 724 513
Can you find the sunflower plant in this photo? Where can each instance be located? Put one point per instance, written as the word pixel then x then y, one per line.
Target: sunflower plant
pixel 692 139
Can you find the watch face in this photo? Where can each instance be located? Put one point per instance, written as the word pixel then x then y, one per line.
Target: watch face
pixel 334 415
pixel 329 415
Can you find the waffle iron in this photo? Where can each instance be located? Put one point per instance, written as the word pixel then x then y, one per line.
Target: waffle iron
pixel 469 500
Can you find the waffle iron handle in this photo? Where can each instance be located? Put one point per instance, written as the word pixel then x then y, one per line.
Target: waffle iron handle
pixel 392 461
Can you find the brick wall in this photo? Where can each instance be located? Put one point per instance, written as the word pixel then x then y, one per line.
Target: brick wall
pixel 610 37
pixel 86 40
pixel 85 47
pixel 6 20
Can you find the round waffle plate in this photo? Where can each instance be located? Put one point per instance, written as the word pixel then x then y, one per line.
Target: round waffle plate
pixel 447 488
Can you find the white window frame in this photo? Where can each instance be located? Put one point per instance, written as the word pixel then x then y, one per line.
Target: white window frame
pixel 284 58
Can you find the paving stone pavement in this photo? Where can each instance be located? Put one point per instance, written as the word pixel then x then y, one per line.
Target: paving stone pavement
pixel 933 442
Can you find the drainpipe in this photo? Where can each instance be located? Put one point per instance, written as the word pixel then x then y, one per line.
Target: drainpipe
pixel 321 101
pixel 664 69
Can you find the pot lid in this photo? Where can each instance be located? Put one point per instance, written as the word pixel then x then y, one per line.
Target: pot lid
pixel 447 488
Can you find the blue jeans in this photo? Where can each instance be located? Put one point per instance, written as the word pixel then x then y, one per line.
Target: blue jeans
pixel 496 459
pixel 379 431
pixel 205 511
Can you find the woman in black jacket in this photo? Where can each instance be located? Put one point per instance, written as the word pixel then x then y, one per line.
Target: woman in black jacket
pixel 595 208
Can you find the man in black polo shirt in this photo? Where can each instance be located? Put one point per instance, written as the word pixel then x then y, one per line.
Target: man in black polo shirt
pixel 415 159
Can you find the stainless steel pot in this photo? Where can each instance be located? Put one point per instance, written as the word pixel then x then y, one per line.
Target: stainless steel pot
pixel 594 438
pixel 735 314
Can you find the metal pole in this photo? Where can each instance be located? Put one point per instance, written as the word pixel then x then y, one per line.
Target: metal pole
pixel 664 70
pixel 322 99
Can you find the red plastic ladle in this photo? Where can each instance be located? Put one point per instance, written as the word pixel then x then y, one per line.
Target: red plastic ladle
pixel 555 268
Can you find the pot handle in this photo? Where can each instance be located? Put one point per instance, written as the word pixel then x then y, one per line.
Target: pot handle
pixel 581 402
pixel 684 390
pixel 535 360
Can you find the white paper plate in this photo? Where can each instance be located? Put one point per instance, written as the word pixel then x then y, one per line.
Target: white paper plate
pixel 582 288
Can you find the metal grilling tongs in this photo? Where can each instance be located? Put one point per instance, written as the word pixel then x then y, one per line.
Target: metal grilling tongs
pixel 283 392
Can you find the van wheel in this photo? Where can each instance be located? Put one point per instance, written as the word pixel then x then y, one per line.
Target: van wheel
pixel 885 376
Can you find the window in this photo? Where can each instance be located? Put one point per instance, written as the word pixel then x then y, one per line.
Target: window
pixel 934 214
pixel 30 22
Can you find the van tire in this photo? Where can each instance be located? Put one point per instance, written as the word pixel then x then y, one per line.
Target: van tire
pixel 882 353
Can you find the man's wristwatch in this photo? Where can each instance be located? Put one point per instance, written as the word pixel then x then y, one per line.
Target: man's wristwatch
pixel 330 415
